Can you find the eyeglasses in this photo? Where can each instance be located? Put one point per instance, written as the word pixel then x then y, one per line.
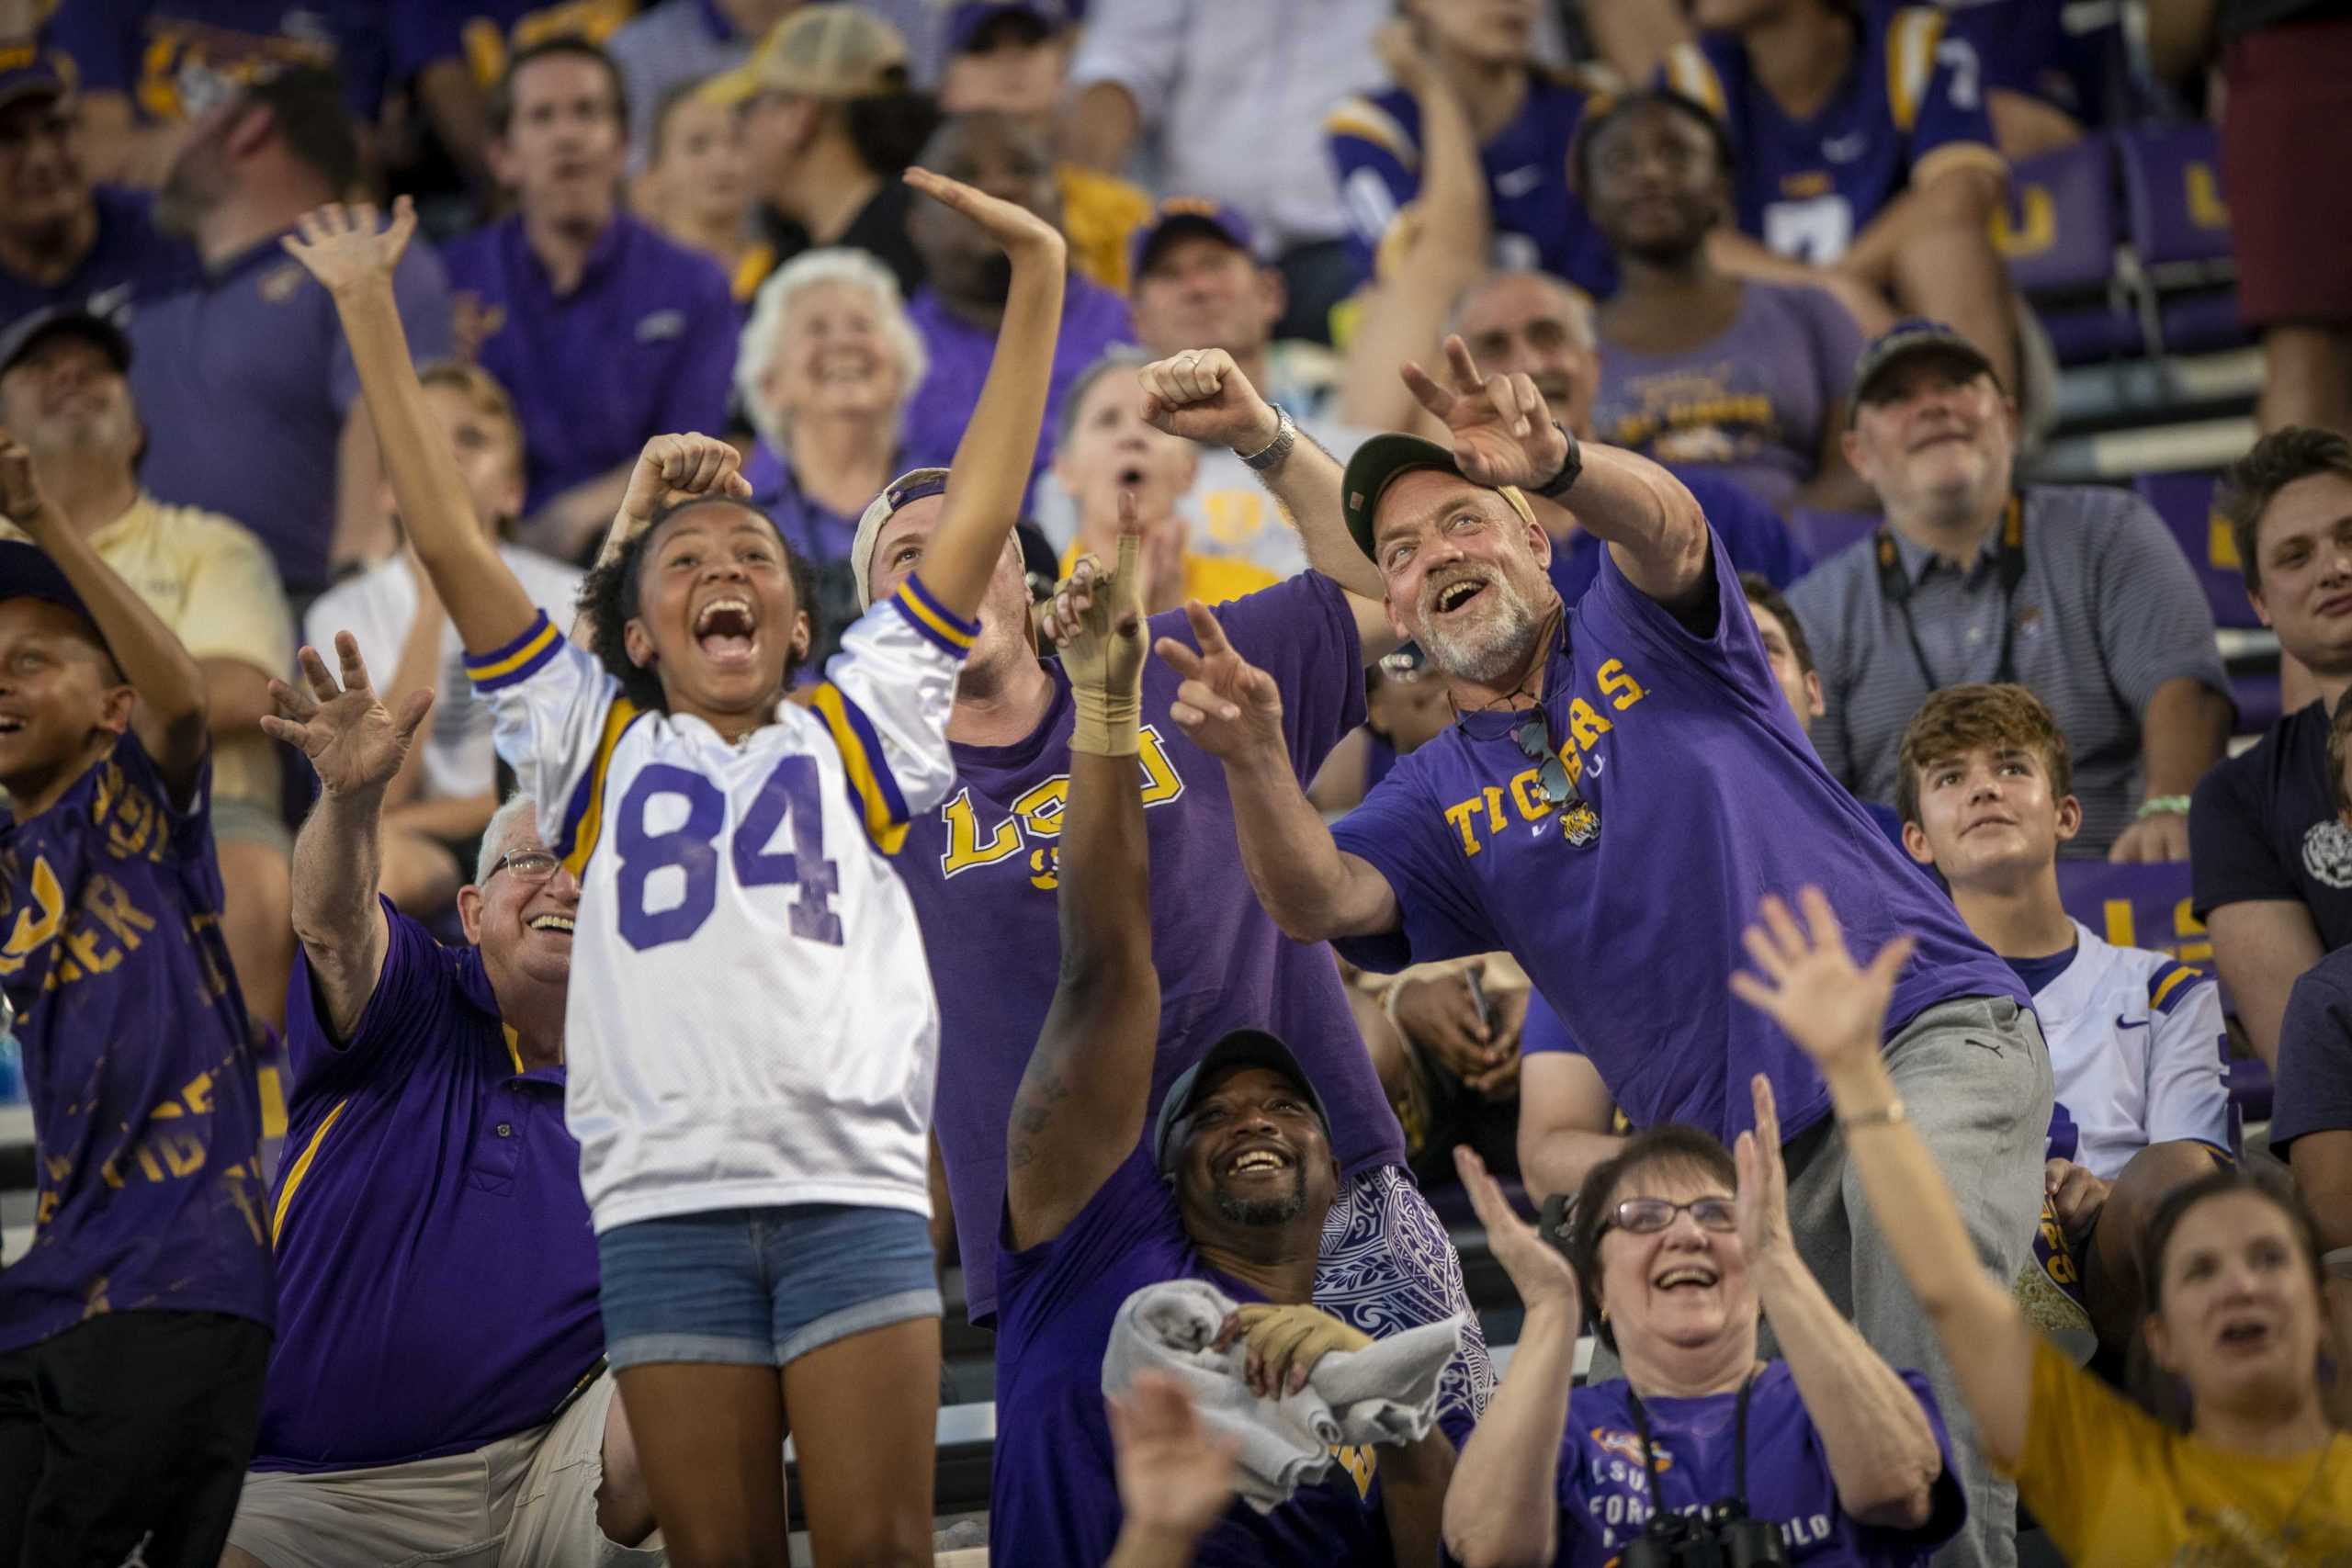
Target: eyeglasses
pixel 528 866
pixel 1647 1216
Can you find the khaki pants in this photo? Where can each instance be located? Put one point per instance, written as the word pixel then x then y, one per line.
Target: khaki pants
pixel 528 1501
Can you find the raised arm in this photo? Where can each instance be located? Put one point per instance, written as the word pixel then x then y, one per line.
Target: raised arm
pixel 1078 1113
pixel 172 714
pixel 1880 1445
pixel 1313 890
pixel 355 745
pixel 344 250
pixel 990 474
pixel 1836 1012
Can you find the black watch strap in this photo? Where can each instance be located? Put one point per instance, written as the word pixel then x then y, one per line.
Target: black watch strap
pixel 1571 469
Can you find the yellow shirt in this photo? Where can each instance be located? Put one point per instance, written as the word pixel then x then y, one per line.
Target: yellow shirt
pixel 210 580
pixel 1212 580
pixel 1099 216
pixel 2116 1488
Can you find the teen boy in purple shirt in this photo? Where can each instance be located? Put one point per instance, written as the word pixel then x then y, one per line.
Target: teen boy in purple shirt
pixel 438 1383
pixel 1231 1187
pixel 134 1330
pixel 1624 782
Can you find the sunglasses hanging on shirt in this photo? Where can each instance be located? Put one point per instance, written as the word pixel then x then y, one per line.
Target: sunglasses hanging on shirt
pixel 1579 823
pixel 1894 587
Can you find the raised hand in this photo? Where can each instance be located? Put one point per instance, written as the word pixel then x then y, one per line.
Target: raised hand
pixel 1103 651
pixel 1018 232
pixel 1503 431
pixel 1176 1477
pixel 344 248
pixel 353 740
pixel 1202 395
pixel 1536 1269
pixel 21 501
pixel 1834 1008
pixel 672 468
pixel 1762 1199
pixel 1227 705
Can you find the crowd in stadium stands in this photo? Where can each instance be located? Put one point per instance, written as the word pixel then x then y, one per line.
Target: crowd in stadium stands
pixel 689 687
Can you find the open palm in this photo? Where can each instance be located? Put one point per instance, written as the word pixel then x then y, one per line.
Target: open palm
pixel 1832 1007
pixel 1538 1272
pixel 354 742
pixel 1175 1476
pixel 343 247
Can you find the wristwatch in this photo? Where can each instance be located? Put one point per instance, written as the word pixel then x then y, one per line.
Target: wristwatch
pixel 1559 486
pixel 1270 455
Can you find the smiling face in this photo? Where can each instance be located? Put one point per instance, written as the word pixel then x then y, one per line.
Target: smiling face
pixel 1655 185
pixel 562 151
pixel 1680 1289
pixel 66 398
pixel 717 619
pixel 62 700
pixel 1004 609
pixel 2239 1313
pixel 2305 540
pixel 1934 437
pixel 1464 573
pixel 1255 1156
pixel 521 916
pixel 1524 322
pixel 1989 815
pixel 41 183
pixel 833 357
pixel 1198 289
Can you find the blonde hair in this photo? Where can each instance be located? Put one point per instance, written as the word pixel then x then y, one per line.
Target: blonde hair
pixel 763 334
pixel 484 391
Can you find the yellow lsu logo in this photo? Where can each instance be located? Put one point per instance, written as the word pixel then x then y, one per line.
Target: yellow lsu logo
pixel 1587 725
pixel 1037 815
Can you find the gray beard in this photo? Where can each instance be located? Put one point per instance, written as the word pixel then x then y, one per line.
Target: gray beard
pixel 1487 655
pixel 1278 1211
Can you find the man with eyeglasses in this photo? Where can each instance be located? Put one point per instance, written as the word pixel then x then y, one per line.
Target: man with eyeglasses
pixel 437 1389
pixel 1623 783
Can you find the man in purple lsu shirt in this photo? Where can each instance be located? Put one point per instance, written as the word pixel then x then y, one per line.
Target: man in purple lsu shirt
pixel 134 1330
pixel 1625 782
pixel 437 1393
pixel 1231 1187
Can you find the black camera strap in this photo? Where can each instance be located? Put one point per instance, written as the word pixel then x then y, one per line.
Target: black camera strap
pixel 1739 1445
pixel 1894 587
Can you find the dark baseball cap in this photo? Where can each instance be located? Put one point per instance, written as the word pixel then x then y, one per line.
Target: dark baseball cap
pixel 1916 338
pixel 967 21
pixel 27 72
pixel 27 572
pixel 1181 215
pixel 1379 463
pixel 29 333
pixel 1241 1048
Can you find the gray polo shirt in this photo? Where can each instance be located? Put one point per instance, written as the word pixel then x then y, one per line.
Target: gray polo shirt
pixel 2108 612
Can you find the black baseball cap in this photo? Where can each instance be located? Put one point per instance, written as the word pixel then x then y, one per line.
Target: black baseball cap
pixel 29 333
pixel 1241 1048
pixel 1379 463
pixel 1916 338
pixel 27 572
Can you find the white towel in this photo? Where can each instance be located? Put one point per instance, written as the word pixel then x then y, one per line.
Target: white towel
pixel 1384 1394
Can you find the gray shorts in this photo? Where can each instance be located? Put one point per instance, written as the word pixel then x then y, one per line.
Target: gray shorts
pixel 528 1501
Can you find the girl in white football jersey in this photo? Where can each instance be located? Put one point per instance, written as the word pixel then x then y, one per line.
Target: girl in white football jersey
pixel 751 1034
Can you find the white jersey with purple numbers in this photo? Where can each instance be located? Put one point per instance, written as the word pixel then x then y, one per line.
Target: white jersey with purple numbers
pixel 751 1022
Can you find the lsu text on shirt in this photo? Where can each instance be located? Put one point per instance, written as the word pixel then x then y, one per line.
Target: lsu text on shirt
pixel 146 1120
pixel 1709 797
pixel 1606 1499
pixel 1911 106
pixel 749 1022
pixel 2117 1488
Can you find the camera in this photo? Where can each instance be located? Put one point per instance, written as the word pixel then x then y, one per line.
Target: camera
pixel 1721 1536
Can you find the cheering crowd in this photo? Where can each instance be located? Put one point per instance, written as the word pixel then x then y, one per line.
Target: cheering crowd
pixel 743 673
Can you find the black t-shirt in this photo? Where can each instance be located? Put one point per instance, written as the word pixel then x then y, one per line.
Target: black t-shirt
pixel 2263 826
pixel 880 230
pixel 2239 17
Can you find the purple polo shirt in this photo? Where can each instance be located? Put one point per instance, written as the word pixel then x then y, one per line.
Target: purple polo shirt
pixel 436 1274
pixel 644 345
pixel 130 262
pixel 243 382
pixel 817 533
pixel 175 59
pixel 1094 319
pixel 1709 797
pixel 980 868
pixel 146 1118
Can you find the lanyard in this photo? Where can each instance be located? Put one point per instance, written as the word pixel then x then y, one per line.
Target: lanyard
pixel 1894 587
pixel 1739 1445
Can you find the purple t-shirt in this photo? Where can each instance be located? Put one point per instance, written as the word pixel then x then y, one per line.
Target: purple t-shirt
pixel 1052 1496
pixel 643 346
pixel 1094 321
pixel 130 261
pixel 1605 1498
pixel 1709 797
pixel 243 381
pixel 980 870
pixel 1752 405
pixel 436 1274
pixel 146 1117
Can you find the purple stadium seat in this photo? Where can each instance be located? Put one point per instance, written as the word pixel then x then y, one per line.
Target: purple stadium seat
pixel 2172 189
pixel 2086 334
pixel 2200 321
pixel 2186 504
pixel 2059 233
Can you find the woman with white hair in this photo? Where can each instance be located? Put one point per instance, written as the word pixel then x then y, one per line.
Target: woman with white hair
pixel 825 367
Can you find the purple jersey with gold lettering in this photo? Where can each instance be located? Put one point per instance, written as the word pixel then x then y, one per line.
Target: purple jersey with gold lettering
pixel 1911 105
pixel 145 1113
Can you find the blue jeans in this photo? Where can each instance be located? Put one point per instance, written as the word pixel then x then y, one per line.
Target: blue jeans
pixel 760 1287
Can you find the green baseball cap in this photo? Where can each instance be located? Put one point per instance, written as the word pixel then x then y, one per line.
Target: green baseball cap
pixel 1379 463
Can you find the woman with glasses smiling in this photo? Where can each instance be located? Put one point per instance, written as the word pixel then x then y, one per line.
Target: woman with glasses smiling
pixel 1676 1249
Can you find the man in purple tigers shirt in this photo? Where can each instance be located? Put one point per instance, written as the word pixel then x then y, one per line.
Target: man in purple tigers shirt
pixel 1625 783
pixel 438 1387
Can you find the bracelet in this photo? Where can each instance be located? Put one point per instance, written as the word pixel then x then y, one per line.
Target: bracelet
pixel 2162 805
pixel 1571 469
pixel 1271 454
pixel 1886 1116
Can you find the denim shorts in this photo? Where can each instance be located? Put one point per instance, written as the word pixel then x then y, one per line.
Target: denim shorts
pixel 760 1287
